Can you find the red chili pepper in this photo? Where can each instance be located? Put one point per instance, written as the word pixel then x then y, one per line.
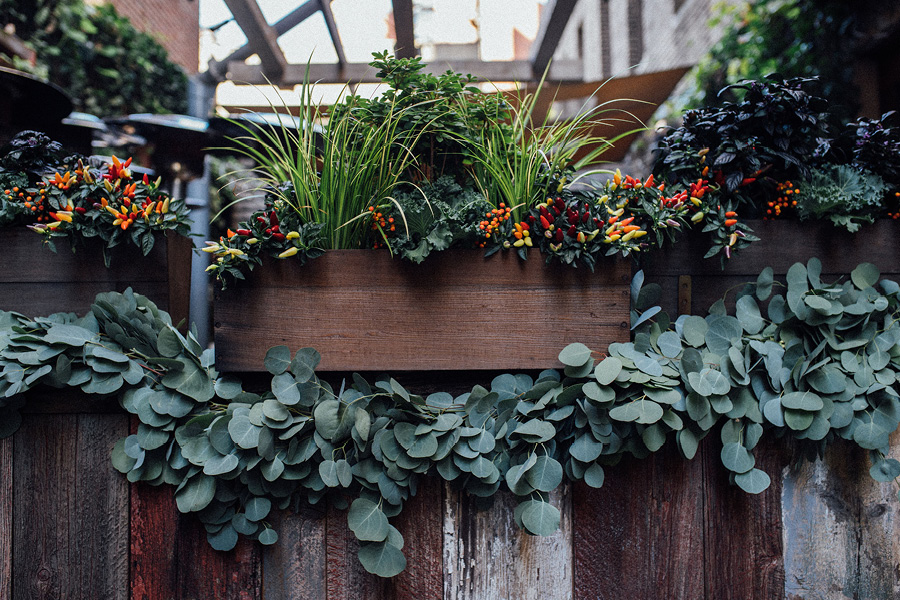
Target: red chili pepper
pixel 730 222
pixel 572 231
pixel 585 217
pixel 544 222
pixel 243 232
pixel 273 218
pixel 559 235
pixel 730 214
pixel 80 210
pixel 278 236
pixel 748 180
pixel 146 179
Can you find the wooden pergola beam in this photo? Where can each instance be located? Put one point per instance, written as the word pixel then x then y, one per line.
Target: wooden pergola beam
pixel 325 6
pixel 262 38
pixel 551 31
pixel 516 70
pixel 404 28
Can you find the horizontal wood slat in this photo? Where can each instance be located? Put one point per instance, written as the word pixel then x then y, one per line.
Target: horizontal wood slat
pixel 782 244
pixel 38 282
pixel 363 311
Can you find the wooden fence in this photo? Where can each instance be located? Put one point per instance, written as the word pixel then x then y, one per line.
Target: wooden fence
pixel 660 528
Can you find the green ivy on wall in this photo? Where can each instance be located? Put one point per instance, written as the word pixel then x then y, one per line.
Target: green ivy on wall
pixel 814 363
pixel 97 56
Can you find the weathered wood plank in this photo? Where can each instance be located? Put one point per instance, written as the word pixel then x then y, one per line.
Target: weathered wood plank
pixel 841 528
pixel 676 538
pixel 487 557
pixel 611 533
pixel 364 312
pixel 63 469
pixel 421 524
pixel 879 572
pixel 782 244
pixel 6 516
pixel 202 572
pixel 294 568
pixel 27 260
pixel 28 271
pixel 345 577
pixel 743 535
pixel 154 523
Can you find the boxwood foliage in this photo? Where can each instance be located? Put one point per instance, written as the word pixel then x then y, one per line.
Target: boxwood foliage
pixel 816 362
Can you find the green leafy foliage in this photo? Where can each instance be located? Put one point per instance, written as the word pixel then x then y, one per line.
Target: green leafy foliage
pixel 83 202
pixel 843 194
pixel 821 366
pixel 106 65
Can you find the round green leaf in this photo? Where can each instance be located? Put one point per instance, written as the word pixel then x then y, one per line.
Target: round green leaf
pixel 865 275
pixel 268 536
pixel 607 371
pixel 278 360
pixel 798 420
pixel 885 470
pixel 196 494
pixel 736 458
pixel 540 518
pixel 808 401
pixel 669 344
pixel 257 508
pixel 382 559
pixel 223 540
pixel 575 355
pixel 753 481
pixel 694 331
pixel 367 521
pixel 594 476
pixel 221 465
pixel 545 475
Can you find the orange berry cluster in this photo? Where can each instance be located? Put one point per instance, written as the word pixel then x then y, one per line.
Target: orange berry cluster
pixel 380 222
pixel 34 201
pixel 783 202
pixel 493 219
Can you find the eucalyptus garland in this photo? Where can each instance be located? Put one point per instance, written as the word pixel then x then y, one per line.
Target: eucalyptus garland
pixel 821 365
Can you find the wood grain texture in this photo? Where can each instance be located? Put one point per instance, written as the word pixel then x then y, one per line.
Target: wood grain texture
pixel 487 557
pixel 294 567
pixel 6 517
pixel 62 469
pixel 38 282
pixel 421 524
pixel 154 523
pixel 841 531
pixel 782 244
pixel 879 557
pixel 345 577
pixel 363 312
pixel 743 537
pixel 202 573
pixel 646 523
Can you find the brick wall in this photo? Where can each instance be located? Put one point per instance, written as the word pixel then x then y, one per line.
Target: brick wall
pixel 174 23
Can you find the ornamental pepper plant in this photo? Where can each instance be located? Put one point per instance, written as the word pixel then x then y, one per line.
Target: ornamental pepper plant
pixel 75 200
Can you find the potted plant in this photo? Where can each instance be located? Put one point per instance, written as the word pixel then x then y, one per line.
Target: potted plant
pixel 108 228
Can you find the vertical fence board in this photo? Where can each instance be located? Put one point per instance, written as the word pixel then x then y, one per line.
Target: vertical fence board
pixel 294 568
pixel 421 524
pixel 879 572
pixel 6 516
pixel 202 572
pixel 487 557
pixel 345 577
pixel 63 469
pixel 611 533
pixel 840 528
pixel 743 537
pixel 154 520
pixel 676 544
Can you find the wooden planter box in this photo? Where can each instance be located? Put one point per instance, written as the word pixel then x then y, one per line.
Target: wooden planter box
pixel 691 284
pixel 37 282
pixel 457 311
